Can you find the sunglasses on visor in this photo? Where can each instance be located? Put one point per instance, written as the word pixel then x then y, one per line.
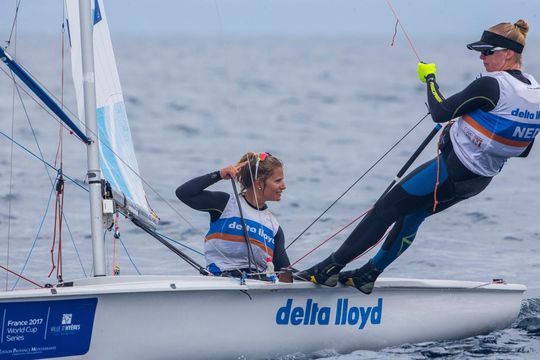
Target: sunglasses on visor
pixel 488 52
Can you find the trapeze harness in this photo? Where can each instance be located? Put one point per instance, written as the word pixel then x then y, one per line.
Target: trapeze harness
pixel 499 116
pixel 225 247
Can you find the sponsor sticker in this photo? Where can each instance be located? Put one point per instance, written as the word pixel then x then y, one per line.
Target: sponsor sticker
pixel 343 313
pixel 46 329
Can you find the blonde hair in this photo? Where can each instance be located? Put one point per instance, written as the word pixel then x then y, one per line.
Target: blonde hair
pixel 516 32
pixel 266 162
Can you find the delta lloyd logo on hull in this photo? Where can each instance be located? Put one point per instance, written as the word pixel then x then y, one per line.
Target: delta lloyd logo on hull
pixel 342 313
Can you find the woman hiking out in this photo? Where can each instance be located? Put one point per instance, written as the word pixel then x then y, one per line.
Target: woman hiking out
pixel 498 117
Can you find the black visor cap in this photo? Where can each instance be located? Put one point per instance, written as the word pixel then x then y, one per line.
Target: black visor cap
pixel 491 40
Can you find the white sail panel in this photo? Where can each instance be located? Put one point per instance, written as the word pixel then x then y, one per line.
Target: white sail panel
pixel 117 155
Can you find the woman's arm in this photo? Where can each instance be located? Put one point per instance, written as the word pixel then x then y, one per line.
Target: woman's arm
pixel 483 93
pixel 194 195
pixel 280 260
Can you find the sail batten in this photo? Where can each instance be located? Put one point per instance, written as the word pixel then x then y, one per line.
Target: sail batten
pixel 118 162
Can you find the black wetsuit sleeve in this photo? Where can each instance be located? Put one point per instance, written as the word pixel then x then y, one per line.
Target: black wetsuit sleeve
pixel 281 260
pixel 194 195
pixel 483 93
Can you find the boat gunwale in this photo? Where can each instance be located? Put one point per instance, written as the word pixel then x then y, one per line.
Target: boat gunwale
pixel 159 283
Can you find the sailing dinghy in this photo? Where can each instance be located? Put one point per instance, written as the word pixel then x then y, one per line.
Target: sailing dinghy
pixel 155 317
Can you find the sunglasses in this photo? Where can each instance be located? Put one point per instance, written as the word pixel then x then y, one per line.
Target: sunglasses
pixel 260 157
pixel 263 155
pixel 488 52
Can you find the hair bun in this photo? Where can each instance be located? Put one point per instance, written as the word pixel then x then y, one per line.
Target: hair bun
pixel 523 26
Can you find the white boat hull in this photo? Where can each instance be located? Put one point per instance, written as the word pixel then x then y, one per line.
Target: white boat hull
pixel 200 318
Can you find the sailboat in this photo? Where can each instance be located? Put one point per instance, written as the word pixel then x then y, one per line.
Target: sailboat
pixel 202 316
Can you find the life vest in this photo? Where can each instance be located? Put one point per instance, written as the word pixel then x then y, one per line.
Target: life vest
pixel 483 141
pixel 225 245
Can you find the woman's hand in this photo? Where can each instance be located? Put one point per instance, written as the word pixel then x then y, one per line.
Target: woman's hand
pixel 231 171
pixel 426 72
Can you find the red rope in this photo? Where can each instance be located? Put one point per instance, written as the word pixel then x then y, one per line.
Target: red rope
pixel 402 29
pixel 331 237
pixel 59 270
pixel 53 266
pixel 372 246
pixel 22 277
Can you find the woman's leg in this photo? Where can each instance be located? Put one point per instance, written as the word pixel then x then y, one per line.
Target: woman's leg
pixel 413 194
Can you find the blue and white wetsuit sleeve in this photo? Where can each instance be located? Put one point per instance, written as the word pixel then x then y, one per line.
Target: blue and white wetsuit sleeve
pixel 194 195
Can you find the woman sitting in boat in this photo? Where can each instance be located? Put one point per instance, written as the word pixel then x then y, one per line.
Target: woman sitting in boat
pixel 235 219
pixel 498 116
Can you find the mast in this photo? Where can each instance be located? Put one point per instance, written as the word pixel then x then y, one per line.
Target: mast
pixel 94 171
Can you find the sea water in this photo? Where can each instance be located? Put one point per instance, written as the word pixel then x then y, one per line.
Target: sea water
pixel 328 108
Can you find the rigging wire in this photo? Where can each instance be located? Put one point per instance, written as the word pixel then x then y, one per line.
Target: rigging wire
pixel 189 223
pixel 102 143
pixel 14 23
pixel 358 179
pixel 85 189
pixel 411 45
pixel 41 159
pixel 180 243
pixel 60 188
pixel 60 214
pixel 10 192
pixel 39 103
pixel 36 237
pixel 23 106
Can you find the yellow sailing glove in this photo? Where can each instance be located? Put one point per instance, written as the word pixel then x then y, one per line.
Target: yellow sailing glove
pixel 426 71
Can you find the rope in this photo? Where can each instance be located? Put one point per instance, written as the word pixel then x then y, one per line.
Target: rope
pixel 102 143
pixel 179 243
pixel 331 237
pixel 398 21
pixel 20 276
pixel 115 236
pixel 357 180
pixel 45 164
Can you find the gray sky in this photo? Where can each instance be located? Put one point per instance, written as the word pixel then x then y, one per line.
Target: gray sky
pixel 282 17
